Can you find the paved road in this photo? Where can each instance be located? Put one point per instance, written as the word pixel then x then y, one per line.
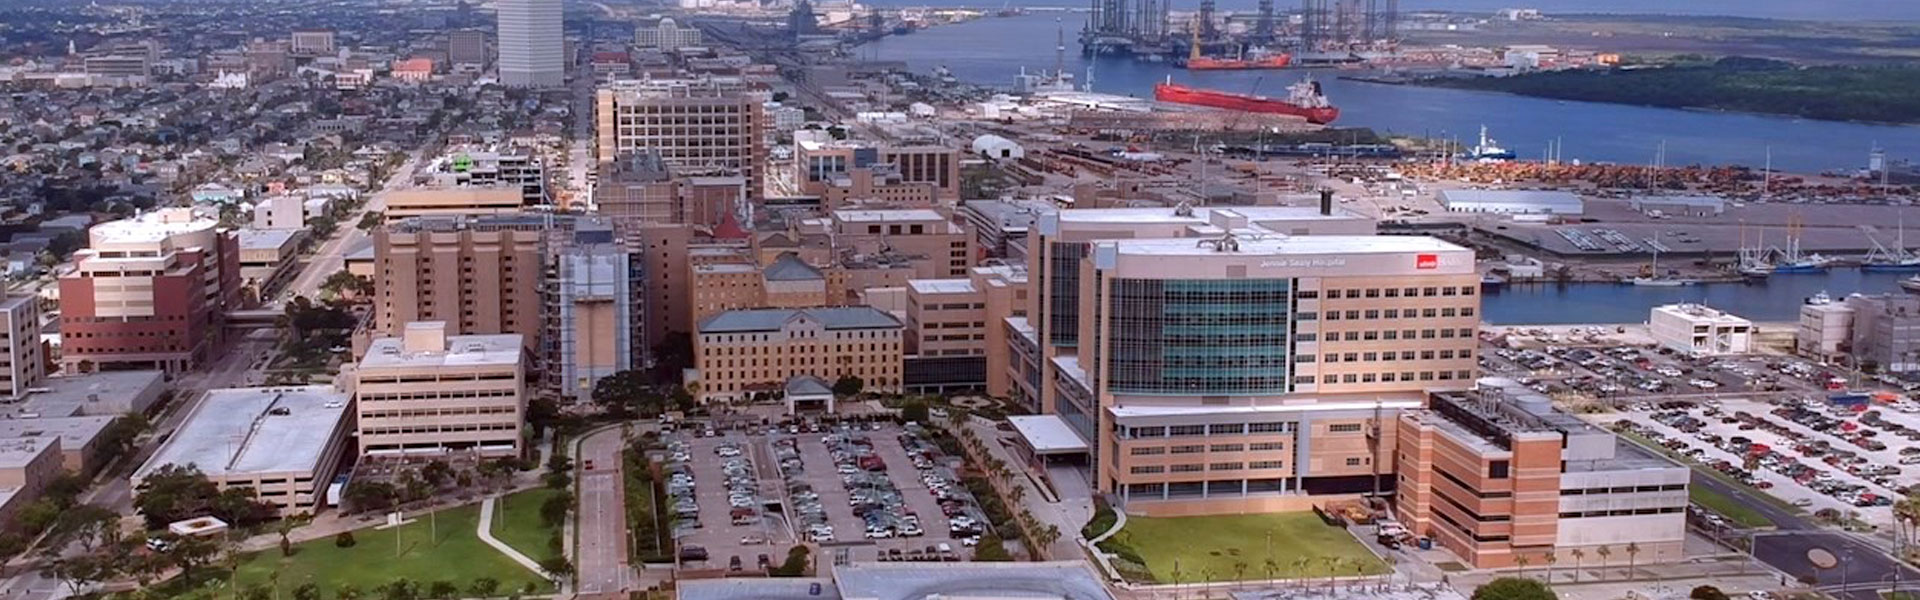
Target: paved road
pixel 331 256
pixel 601 558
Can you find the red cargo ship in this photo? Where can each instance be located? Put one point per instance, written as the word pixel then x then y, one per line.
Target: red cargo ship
pixel 1304 100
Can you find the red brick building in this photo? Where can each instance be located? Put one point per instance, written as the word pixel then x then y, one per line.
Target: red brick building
pixel 149 292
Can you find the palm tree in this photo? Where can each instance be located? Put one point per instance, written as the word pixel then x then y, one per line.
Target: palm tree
pixel 1271 566
pixel 1578 553
pixel 1633 552
pixel 1551 557
pixel 1906 519
pixel 1239 572
pixel 1300 565
pixel 1523 561
pixel 1333 569
pixel 1605 553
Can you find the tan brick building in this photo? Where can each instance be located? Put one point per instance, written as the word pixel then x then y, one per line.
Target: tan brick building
pixel 738 353
pixel 695 127
pixel 427 391
pixel 1499 474
pixel 480 275
pixel 936 247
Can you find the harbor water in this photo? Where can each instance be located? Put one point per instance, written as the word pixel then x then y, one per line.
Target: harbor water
pixel 1856 10
pixel 990 51
pixel 1776 299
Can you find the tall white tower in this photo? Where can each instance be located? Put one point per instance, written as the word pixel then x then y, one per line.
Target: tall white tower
pixel 531 49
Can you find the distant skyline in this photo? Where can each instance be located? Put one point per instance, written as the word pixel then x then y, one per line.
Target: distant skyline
pixel 1854 10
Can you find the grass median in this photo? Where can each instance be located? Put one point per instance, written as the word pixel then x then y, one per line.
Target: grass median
pixel 439 547
pixel 1728 507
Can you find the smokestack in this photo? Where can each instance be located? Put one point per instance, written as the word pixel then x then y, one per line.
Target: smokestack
pixel 1326 202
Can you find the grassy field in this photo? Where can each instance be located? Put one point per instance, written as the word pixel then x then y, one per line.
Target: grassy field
pixel 516 521
pixel 1727 507
pixel 1235 547
pixel 453 553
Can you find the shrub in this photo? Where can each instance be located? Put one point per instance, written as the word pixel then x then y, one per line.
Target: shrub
pixel 344 540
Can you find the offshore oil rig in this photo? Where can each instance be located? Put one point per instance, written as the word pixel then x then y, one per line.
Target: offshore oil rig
pixel 1324 32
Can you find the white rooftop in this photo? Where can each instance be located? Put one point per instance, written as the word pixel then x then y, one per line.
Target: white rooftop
pixel 887 216
pixel 462 350
pixel 1700 313
pixel 1344 245
pixel 238 431
pixel 1047 434
pixel 1293 407
pixel 942 286
pixel 1201 214
pixel 17 452
pixel 265 239
pixel 151 227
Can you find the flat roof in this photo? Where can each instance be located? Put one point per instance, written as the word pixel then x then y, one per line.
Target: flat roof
pixel 461 350
pixel 74 432
pixel 1290 408
pixel 772 319
pixel 1701 313
pixel 266 239
pixel 238 431
pixel 69 395
pixel 885 216
pixel 755 588
pixel 1201 214
pixel 1344 245
pixel 1047 434
pixel 18 452
pixel 150 227
pixel 1526 197
pixel 1056 580
pixel 942 286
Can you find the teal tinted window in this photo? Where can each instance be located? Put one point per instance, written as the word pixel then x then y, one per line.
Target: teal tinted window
pixel 1225 336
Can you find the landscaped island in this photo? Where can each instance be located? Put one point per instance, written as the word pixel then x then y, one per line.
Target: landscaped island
pixel 1884 94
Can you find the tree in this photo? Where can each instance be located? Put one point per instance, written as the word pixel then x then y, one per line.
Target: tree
pixel 347 591
pixel 795 565
pixel 442 590
pixel 174 493
pixel 1707 592
pixel 484 587
pixel 553 512
pixel 345 284
pixel 80 571
pixel 256 592
pixel 629 392
pixel 1605 552
pixel 1906 520
pixel 1577 554
pixel 189 553
pixel 848 385
pixel 344 539
pixel 306 591
pixel 285 528
pixel 1633 553
pixel 915 411
pixel 1522 561
pixel 437 473
pixel 557 567
pixel 1513 588
pixel 1551 558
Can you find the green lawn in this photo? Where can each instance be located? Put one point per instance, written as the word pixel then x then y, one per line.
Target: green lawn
pixel 1727 507
pixel 516 521
pixel 455 553
pixel 1215 548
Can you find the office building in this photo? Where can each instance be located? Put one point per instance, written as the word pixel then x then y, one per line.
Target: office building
pixel 640 187
pixel 280 212
pixel 743 352
pixel 841 172
pixel 1000 226
pixel 723 278
pixel 428 392
pixel 150 291
pixel 1058 241
pixel 1826 329
pixel 1513 202
pixel 595 311
pixel 491 167
pixel 1886 331
pixel 937 247
pixel 311 42
pixel 532 52
pixel 664 34
pixel 467 47
pixel 456 200
pixel 1697 330
pixel 27 465
pixel 698 128
pixel 25 357
pixel 267 259
pixel 951 325
pixel 1498 476
pixel 479 275
pixel 1223 373
pixel 283 443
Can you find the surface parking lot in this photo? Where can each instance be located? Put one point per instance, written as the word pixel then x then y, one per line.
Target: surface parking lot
pixel 1629 371
pixel 861 491
pixel 730 487
pixel 1812 452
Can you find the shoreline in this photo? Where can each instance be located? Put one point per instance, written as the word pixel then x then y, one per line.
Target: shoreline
pixel 1428 82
